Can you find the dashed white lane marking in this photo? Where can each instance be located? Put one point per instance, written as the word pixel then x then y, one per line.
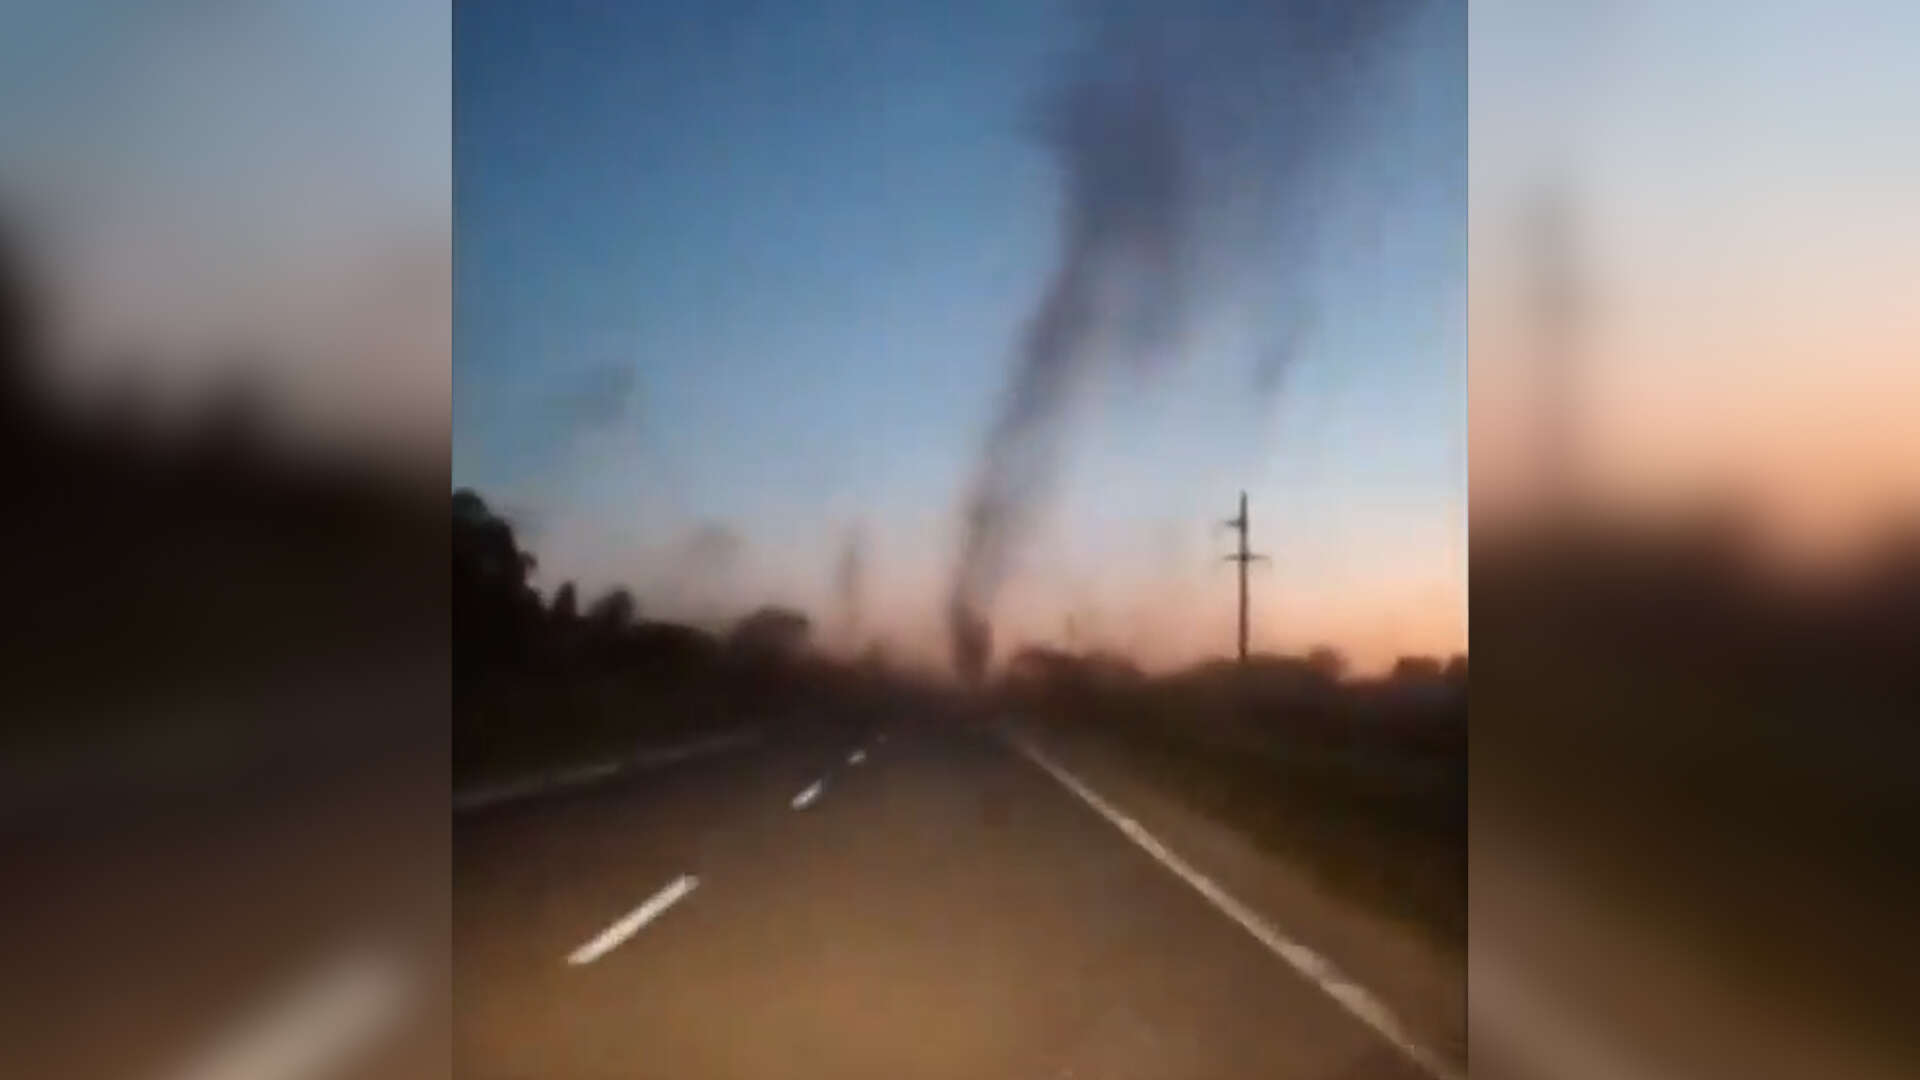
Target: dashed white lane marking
pixel 1316 968
pixel 856 757
pixel 806 797
pixel 612 936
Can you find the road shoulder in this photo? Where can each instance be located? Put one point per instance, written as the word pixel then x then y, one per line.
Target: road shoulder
pixel 1423 983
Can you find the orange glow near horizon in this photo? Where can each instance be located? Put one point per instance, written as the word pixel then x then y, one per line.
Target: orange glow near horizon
pixel 1163 629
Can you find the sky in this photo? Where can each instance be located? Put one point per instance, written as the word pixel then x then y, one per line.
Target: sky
pixel 738 285
pixel 737 280
pixel 1740 176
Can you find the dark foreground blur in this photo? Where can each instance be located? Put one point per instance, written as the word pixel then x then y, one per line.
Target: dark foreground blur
pixel 1694 817
pixel 223 760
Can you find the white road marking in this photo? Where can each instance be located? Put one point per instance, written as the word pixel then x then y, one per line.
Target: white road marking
pixel 1511 1010
pixel 554 780
pixel 856 757
pixel 585 774
pixel 673 755
pixel 806 797
pixel 315 1028
pixel 612 936
pixel 1364 1006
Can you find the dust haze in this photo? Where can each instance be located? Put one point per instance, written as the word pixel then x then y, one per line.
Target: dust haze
pixel 1148 123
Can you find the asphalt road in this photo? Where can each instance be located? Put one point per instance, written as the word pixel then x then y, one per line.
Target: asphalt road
pixel 944 908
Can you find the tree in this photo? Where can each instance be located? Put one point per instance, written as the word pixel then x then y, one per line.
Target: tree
pixel 772 633
pixel 495 612
pixel 565 604
pixel 614 611
pixel 22 326
pixel 874 660
pixel 1416 669
pixel 1327 662
pixel 485 551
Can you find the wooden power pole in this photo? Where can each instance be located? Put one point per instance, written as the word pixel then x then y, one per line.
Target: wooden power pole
pixel 1243 556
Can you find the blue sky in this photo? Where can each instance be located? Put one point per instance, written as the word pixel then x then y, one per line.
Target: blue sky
pixel 761 267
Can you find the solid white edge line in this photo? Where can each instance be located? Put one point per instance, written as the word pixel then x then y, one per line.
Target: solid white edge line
pixel 491 795
pixel 612 936
pixel 1357 1001
pixel 806 796
pixel 1510 1009
pixel 317 1027
pixel 585 774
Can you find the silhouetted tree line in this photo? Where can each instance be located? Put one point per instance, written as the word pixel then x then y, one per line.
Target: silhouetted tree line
pixel 500 624
pixel 1677 641
pixel 537 682
pixel 1713 739
pixel 554 678
pixel 1420 700
pixel 255 602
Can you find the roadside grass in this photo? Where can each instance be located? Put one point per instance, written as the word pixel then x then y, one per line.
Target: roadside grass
pixel 1369 799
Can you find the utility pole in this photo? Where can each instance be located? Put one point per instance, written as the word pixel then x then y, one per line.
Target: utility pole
pixel 1243 557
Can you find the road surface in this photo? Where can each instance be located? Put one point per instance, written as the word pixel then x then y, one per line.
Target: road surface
pixel 939 907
